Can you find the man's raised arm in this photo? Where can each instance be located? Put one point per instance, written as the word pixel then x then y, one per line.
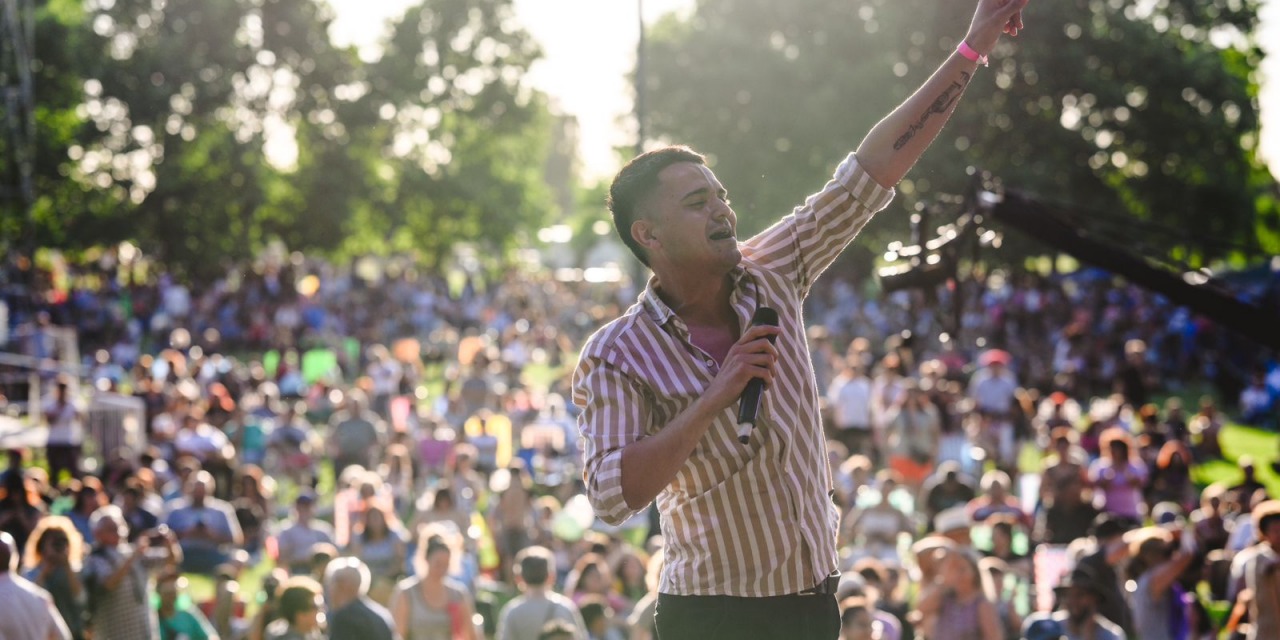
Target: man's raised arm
pixel 897 141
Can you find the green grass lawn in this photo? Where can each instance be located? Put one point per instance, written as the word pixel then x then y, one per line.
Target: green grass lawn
pixel 1240 441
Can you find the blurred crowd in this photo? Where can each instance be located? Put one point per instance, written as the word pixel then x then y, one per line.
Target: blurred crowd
pixel 996 447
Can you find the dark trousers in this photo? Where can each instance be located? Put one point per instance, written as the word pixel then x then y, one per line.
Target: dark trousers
pixel 62 457
pixel 796 617
pixel 858 440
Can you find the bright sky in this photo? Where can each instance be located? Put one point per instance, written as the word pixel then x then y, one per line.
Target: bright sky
pixel 590 45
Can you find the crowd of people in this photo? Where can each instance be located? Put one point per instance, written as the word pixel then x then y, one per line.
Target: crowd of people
pixel 1007 477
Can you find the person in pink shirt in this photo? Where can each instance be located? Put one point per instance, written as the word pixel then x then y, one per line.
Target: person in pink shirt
pixel 1119 476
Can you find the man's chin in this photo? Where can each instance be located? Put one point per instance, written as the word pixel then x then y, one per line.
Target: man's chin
pixel 733 257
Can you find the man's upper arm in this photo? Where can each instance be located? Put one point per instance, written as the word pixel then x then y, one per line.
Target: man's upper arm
pixel 94 571
pixel 803 244
pixel 1251 573
pixel 614 415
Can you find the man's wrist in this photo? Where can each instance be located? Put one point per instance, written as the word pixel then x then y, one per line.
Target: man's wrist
pixel 969 53
pixel 983 45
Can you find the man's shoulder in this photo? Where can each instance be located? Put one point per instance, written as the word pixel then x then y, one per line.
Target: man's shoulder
pixel 513 605
pixel 605 340
pixel 14 585
pixel 218 504
pixel 362 611
pixel 180 508
pixel 1108 630
pixel 561 601
pixel 310 529
pixel 1262 555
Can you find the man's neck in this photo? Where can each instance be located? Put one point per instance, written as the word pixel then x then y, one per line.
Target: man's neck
pixel 704 301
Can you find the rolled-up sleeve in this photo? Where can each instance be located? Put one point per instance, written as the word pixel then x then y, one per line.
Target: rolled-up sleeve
pixel 614 414
pixel 805 242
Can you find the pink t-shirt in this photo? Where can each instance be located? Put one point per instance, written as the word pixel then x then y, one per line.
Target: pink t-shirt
pixel 1121 487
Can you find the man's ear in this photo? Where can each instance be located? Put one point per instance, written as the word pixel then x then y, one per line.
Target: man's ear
pixel 642 232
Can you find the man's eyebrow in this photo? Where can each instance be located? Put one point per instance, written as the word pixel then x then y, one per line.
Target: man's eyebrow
pixel 702 191
pixel 696 192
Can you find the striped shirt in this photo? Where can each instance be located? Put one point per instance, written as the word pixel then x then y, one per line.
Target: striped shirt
pixel 753 520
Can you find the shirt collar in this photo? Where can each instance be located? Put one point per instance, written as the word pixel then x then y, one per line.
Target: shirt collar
pixel 662 314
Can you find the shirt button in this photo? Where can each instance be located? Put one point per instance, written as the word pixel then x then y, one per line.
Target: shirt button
pixel 710 362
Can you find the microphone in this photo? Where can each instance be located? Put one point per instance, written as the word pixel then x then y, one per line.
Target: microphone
pixel 750 401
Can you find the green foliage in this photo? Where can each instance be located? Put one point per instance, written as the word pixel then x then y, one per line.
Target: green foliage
pixel 171 124
pixel 1146 111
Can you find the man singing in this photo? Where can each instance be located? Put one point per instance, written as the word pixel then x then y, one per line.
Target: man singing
pixel 749 528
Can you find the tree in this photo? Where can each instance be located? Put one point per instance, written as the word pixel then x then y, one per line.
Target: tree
pixel 201 130
pixel 474 172
pixel 1146 110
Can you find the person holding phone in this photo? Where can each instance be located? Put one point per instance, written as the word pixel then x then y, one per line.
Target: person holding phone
pixel 53 558
pixel 117 577
pixel 207 526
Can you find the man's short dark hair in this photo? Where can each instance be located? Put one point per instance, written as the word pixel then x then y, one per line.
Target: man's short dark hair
pixel 635 181
pixel 298 595
pixel 592 608
pixel 535 565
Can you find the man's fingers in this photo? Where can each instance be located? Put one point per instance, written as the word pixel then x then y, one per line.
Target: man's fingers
pixel 759 331
pixel 763 372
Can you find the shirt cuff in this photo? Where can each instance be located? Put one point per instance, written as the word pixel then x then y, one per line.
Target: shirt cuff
pixel 604 489
pixel 863 187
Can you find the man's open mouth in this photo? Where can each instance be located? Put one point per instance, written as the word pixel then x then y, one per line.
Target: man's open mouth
pixel 723 234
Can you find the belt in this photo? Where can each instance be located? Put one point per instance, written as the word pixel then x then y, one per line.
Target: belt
pixel 827 587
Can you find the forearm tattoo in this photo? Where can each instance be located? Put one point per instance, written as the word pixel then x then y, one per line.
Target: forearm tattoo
pixel 941 105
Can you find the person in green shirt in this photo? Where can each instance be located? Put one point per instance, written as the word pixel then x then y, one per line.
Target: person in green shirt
pixel 180 619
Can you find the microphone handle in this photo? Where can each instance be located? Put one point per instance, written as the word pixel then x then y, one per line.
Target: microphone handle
pixel 748 408
pixel 749 405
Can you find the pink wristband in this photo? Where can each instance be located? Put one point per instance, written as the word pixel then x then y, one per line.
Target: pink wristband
pixel 967 51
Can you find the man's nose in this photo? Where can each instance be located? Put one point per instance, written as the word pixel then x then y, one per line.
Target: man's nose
pixel 724 212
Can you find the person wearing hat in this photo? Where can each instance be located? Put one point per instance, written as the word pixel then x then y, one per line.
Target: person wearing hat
pixel 1112 552
pixel 1157 561
pixel 992 390
pixel 1262 574
pixel 1076 617
pixel 294 543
